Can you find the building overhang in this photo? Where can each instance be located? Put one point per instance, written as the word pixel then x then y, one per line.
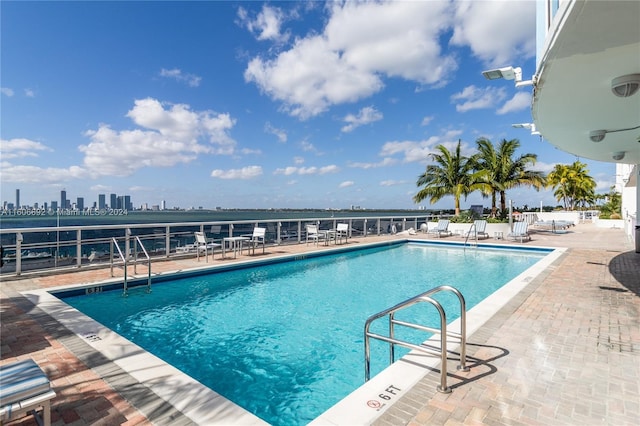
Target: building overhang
pixel 591 43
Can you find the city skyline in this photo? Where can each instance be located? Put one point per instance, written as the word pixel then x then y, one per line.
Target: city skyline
pixel 115 202
pixel 262 105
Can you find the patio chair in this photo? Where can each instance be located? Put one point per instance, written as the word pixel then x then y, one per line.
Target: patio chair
pixel 441 229
pixel 313 234
pixel 24 389
pixel 477 230
pixel 342 231
pixel 520 231
pixel 257 238
pixel 204 244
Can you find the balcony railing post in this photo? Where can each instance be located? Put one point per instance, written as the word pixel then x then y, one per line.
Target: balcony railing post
pixel 79 248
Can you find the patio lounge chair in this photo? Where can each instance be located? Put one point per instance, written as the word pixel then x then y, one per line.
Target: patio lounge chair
pixel 204 244
pixel 477 230
pixel 257 238
pixel 441 229
pixel 25 388
pixel 520 231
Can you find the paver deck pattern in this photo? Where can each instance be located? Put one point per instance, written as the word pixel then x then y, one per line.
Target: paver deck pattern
pixel 564 351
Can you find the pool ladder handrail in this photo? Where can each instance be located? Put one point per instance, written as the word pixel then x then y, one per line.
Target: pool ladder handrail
pixel 137 242
pixel 473 227
pixel 424 297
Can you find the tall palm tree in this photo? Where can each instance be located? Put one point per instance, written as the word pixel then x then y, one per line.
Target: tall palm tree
pixel 487 160
pixel 451 174
pixel 514 172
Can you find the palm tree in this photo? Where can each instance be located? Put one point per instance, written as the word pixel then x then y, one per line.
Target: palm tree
pixel 452 174
pixel 487 160
pixel 503 172
pixel 572 184
pixel 560 179
pixel 513 173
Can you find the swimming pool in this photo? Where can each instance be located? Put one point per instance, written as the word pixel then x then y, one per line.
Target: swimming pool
pixel 286 359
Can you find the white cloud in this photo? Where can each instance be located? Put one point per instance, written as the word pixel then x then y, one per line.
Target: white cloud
pixel 359 45
pixel 29 93
pixel 426 120
pixel 418 151
pixel 313 170
pixel 20 148
pixel 6 91
pixel 279 133
pixel 34 174
pixel 248 172
pixel 392 182
pixel 172 137
pixel 191 80
pixel 519 102
pixel 498 32
pixel 473 97
pixel 365 116
pixel 298 160
pixel 267 24
pixel 346 184
pixel 384 163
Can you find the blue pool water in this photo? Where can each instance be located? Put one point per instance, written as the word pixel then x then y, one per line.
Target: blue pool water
pixel 285 340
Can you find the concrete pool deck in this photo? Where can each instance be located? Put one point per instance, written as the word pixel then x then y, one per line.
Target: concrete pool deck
pixel 564 350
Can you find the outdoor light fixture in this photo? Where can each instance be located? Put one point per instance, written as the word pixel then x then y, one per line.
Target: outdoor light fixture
pixel 597 135
pixel 618 155
pixel 508 73
pixel 530 126
pixel 626 85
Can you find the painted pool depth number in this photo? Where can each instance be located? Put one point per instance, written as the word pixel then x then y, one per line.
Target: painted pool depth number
pixel 386 396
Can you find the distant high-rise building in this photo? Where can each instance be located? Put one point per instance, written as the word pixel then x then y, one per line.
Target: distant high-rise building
pixel 63 199
pixel 54 205
pixel 163 205
pixel 80 203
pixel 113 201
pixel 102 203
pixel 17 198
pixel 127 203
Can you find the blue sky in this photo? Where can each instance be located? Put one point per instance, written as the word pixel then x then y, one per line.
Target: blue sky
pixel 260 105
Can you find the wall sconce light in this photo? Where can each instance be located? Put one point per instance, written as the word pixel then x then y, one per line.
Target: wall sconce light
pixel 530 126
pixel 508 73
pixel 626 85
pixel 597 135
pixel 618 155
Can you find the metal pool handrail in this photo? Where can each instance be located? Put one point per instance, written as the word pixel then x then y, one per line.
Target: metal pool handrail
pixel 442 351
pixel 125 264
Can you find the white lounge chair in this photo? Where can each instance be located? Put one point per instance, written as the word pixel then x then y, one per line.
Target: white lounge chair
pixel 25 388
pixel 477 230
pixel 441 229
pixel 257 238
pixel 204 244
pixel 520 231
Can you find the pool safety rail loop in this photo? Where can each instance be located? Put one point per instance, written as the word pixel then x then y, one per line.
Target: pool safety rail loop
pixel 423 347
pixel 124 258
pixel 475 234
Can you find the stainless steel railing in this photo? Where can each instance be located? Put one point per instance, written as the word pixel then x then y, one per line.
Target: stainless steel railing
pixel 422 347
pixel 124 257
pixel 64 247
